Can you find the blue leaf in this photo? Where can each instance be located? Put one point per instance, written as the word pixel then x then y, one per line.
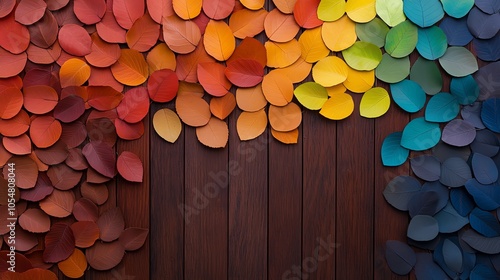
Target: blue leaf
pixel 488 6
pixel 487 197
pixel 423 13
pixel 483 272
pixel 456 31
pixel 409 95
pixel 426 167
pixel 427 269
pixel 400 257
pixel 487 50
pixel 442 107
pixel 465 89
pixel 484 169
pixel 455 172
pixel 449 220
pixel 392 153
pixel 486 143
pixel 482 25
pixel 461 201
pixel 420 135
pixel 422 228
pixel 452 257
pixel 472 114
pixel 490 114
pixel 458 133
pixel 400 190
pixel 432 42
pixel 484 222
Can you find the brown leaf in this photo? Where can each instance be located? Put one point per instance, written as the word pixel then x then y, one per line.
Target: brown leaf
pixel 85 210
pixel 111 224
pixel 58 204
pixel 86 233
pixel 105 256
pixel 35 220
pixel 133 238
pixel 59 243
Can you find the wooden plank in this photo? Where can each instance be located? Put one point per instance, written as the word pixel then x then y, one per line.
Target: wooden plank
pixel 285 209
pixel 167 200
pixel 206 183
pixel 355 191
pixel 389 223
pixel 319 188
pixel 247 205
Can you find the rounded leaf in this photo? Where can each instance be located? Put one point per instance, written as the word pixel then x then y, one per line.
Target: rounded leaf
pixel 458 62
pixel 400 257
pixel 133 238
pixel 45 131
pixel 285 118
pixel 374 103
pixel 401 40
pixel 222 107
pixel 442 107
pixel 167 125
pixel 219 40
pixel 215 134
pixel 75 265
pixel 277 88
pixel 423 13
pixel 105 256
pixel 75 40
pixel 311 95
pixel 339 35
pixel 408 95
pixel 392 153
pixel 129 165
pixel 423 228
pixel 330 71
pixel 337 107
pixel 251 125
pixel 280 27
pixel 131 68
pixel 134 106
pixel 193 110
pixel 59 243
pixel 420 135
pixel 181 36
pixel 111 224
pixel 74 72
pixel 34 220
pixel 362 56
pixel 163 85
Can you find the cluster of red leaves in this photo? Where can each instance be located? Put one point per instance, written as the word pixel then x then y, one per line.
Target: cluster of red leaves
pixel 61 114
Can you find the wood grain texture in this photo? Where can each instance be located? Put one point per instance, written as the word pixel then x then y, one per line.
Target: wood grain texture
pixel 206 190
pixel 167 205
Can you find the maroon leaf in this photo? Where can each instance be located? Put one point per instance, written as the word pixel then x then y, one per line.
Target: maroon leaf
pixel 86 233
pixel 59 243
pixel 44 33
pixel 102 129
pixel 25 241
pixel 101 157
pixel 54 154
pixel 133 238
pixel 105 256
pixel 69 109
pixel 73 134
pixel 42 189
pixel 76 160
pixel 85 210
pixel 63 177
pixel 97 193
pixel 22 263
pixel 111 224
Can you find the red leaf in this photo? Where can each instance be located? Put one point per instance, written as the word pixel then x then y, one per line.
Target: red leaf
pixel 130 167
pixel 250 48
pixel 14 37
pixel 305 13
pixel 133 238
pixel 20 145
pixel 12 102
pixel 42 189
pixel 59 243
pixel 76 160
pixel 109 30
pixel 111 224
pixel 75 40
pixel 101 157
pixel 128 131
pixel 97 193
pixel 134 106
pixel 89 11
pixel 143 34
pixel 44 33
pixel 86 233
pixel 58 204
pixel 26 171
pixel 212 78
pixel 54 5
pixel 45 131
pixel 218 9
pixel 128 11
pixel 105 256
pixel 69 109
pixel 30 11
pixel 163 85
pixel 103 54
pixel 6 6
pixel 12 64
pixel 44 56
pixel 85 210
pixel 40 99
pixel 158 9
pixel 103 98
pixel 187 64
pixel 53 155
pixel 245 72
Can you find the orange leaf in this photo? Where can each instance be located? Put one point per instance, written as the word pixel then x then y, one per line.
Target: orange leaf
pixel 250 48
pixel 163 85
pixel 75 265
pixel 12 101
pixel 187 9
pixel 104 77
pixel 86 232
pixel 45 131
pixel 221 107
pixel 143 34
pixel 246 23
pixel 280 27
pixel 58 204
pixel 20 145
pixel 181 36
pixel 102 54
pixel 40 99
pixel 131 68
pixel 285 118
pixel 159 9
pixel 15 126
pixel 127 131
pixel 130 167
pixel 103 98
pixel 253 4
pixel 134 106
pixel 74 72
pixel 281 55
pixel 212 78
pixel 26 171
pixel 305 13
pixel 285 6
pixel 34 220
pixel 244 72
pixel 311 45
pixel 219 40
pixel 251 99
pixel 128 11
pixel 186 89
pixel 287 137
pixel 12 64
pixel 167 125
pixel 298 71
pixel 214 134
pixel 277 88
pixel 161 57
pixel 193 110
pixel 251 125
pixel 218 9
pixel 187 64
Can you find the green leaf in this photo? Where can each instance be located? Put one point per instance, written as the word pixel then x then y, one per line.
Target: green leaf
pixel 458 62
pixel 393 70
pixel 432 42
pixel 311 95
pixel 442 107
pixel 457 9
pixel 402 39
pixel 362 56
pixel 390 11
pixel 374 103
pixel 423 13
pixel 331 10
pixel 420 135
pixel 392 153
pixel 373 32
pixel 426 74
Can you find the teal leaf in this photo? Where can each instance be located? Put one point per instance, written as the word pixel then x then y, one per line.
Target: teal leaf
pixel 423 13
pixel 432 42
pixel 457 9
pixel 408 95
pixel 442 107
pixel 392 153
pixel 420 135
pixel 465 89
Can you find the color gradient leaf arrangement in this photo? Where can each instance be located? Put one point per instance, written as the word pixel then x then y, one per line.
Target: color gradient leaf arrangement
pixel 78 75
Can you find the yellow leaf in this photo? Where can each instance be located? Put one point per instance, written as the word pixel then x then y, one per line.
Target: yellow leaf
pixel 374 103
pixel 280 55
pixel 187 9
pixel 361 10
pixel 167 124
pixel 219 40
pixel 359 81
pixel 285 118
pixel 298 71
pixel 74 72
pixel 277 88
pixel 251 99
pixel 330 71
pixel 253 4
pixel 75 265
pixel 312 46
pixel 338 89
pixel 338 107
pixel 251 125
pixel 331 10
pixel 285 6
pixel 286 137
pixel 161 57
pixel 339 35
pixel 247 23
pixel 214 134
